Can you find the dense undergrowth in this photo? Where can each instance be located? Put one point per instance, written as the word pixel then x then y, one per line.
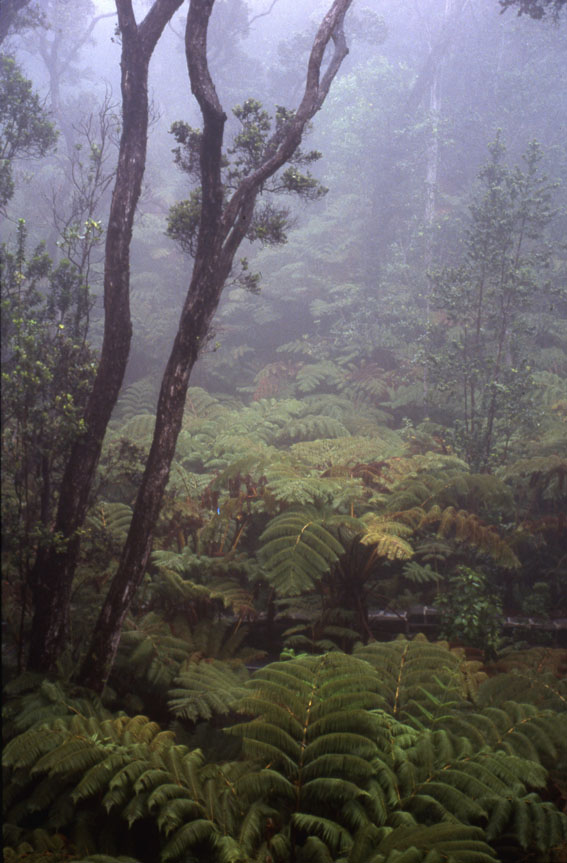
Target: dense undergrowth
pixel 304 514
pixel 381 429
pixel 401 751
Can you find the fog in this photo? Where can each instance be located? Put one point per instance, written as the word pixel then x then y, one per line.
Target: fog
pixel 310 411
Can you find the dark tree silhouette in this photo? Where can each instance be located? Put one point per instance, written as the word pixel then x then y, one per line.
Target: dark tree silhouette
pixel 53 571
pixel 223 225
pixel 536 8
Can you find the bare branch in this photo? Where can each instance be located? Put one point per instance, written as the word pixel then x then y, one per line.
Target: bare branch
pixel 262 14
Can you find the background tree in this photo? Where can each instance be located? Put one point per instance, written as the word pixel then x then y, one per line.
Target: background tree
pixel 47 371
pixel 26 130
pixel 9 12
pixel 484 366
pixel 536 8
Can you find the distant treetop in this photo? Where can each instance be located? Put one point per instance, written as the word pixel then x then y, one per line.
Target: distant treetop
pixel 536 8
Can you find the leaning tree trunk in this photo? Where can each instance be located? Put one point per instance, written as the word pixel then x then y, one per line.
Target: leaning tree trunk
pixel 55 565
pixel 221 231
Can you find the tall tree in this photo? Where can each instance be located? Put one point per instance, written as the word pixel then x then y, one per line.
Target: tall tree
pixel 482 371
pixel 223 224
pixel 25 127
pixel 53 571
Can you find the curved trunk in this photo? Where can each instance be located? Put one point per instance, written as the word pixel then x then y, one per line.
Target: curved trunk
pixel 52 575
pixel 220 234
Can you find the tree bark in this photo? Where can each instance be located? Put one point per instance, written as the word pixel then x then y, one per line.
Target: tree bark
pixel 221 231
pixel 436 56
pixel 54 568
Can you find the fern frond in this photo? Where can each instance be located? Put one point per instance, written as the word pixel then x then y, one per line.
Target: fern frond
pixel 113 518
pixel 411 673
pixel 436 842
pixel 387 537
pixel 137 399
pixel 139 429
pixel 297 549
pixel 206 689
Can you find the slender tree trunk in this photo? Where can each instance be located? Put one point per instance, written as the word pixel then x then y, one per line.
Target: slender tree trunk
pixel 54 568
pixel 220 233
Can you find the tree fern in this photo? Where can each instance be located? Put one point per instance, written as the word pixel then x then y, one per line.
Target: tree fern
pixel 297 549
pixel 537 676
pixel 149 655
pixel 200 403
pixel 311 427
pixel 419 680
pixel 288 482
pixel 137 399
pixel 387 755
pixel 387 536
pixel 139 428
pixel 312 736
pixel 381 443
pixel 110 518
pixel 312 375
pixel 206 689
pixel 195 581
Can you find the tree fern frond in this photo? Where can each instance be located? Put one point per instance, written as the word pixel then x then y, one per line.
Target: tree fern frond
pixel 137 399
pixel 200 403
pixel 311 428
pixel 114 518
pixel 387 537
pixel 139 429
pixel 205 689
pixel 532 822
pixel 411 672
pixel 535 686
pixel 467 527
pixel 312 375
pixel 200 832
pixel 453 842
pixel 297 548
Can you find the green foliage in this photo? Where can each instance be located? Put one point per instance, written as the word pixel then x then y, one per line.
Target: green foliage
pixel 405 665
pixel 257 139
pixel 471 612
pixel 137 399
pixel 209 655
pixel 25 128
pixel 298 548
pixel 47 371
pixel 482 365
pixel 393 754
pixel 206 689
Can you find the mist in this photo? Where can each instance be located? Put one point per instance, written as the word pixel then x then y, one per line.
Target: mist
pixel 284 434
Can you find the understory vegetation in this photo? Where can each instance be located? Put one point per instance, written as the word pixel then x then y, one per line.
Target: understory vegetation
pixel 349 642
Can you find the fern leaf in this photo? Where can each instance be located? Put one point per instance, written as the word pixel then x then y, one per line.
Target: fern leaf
pixel 297 549
pixel 203 690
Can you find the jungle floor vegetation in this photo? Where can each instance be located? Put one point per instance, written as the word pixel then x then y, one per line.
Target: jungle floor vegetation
pixel 196 578
pixel 299 503
pixel 401 752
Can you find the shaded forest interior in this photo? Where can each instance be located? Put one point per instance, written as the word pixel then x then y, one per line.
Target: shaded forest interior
pixel 284 431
